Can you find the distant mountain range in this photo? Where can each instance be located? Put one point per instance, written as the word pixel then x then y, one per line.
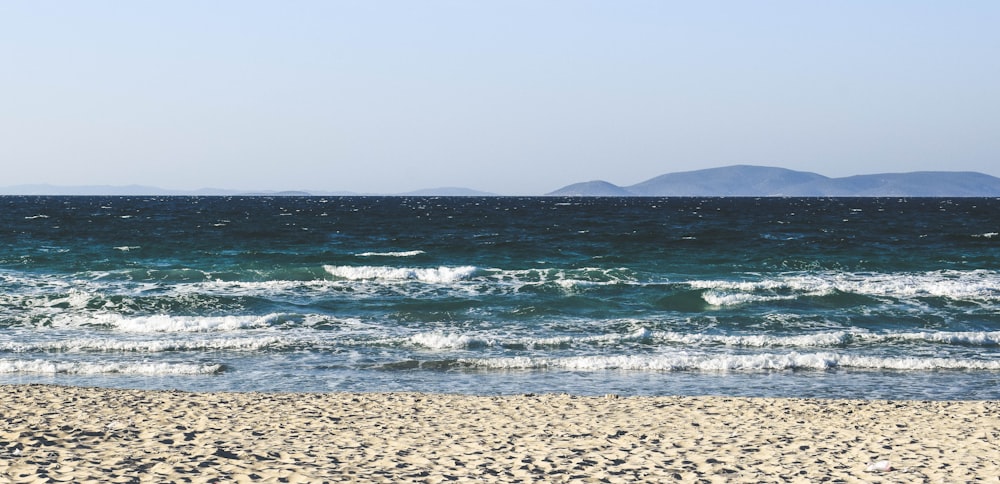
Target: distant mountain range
pixel 728 181
pixel 763 181
pixel 130 190
pixel 140 190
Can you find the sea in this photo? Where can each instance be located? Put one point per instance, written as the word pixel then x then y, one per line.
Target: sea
pixel 867 298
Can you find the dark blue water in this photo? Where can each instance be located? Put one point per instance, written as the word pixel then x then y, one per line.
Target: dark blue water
pixel 863 298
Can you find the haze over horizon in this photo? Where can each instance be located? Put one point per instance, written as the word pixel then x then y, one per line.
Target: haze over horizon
pixel 510 98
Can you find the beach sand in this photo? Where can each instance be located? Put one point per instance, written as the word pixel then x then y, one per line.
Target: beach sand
pixel 70 434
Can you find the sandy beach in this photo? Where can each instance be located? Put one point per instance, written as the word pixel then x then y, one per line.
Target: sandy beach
pixel 70 434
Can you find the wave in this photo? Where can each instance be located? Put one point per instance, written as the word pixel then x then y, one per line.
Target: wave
pixel 440 275
pixel 459 341
pixel 964 338
pixel 405 253
pixel 49 367
pixel 161 323
pixel 186 290
pixel 181 290
pixel 564 276
pixel 723 363
pixel 832 339
pixel 972 286
pixel 824 339
pixel 945 283
pixel 441 340
pixel 719 298
pixel 438 341
pixel 80 345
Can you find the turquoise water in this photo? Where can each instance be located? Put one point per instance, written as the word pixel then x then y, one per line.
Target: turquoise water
pixel 863 298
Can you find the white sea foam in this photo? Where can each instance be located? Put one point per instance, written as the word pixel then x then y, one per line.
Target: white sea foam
pixel 824 339
pixel 161 323
pixel 722 363
pixel 567 279
pixel 976 285
pixel 639 335
pixel 718 298
pixel 79 293
pixel 829 339
pixel 74 299
pixel 405 253
pixel 90 368
pixel 79 345
pixel 439 341
pixel 439 275
pixel 570 284
pixel 972 338
pixel 980 286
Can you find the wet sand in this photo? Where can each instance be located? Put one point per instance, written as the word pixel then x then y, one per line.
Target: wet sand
pixel 71 434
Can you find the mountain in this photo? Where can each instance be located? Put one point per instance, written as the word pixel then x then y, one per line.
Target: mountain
pixel 592 189
pixel 112 190
pixel 732 181
pixel 762 181
pixel 82 190
pixel 914 184
pixel 141 190
pixel 728 181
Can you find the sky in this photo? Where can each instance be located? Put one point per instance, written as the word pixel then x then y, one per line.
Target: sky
pixel 510 97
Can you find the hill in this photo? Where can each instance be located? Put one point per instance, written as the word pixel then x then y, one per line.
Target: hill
pixel 762 181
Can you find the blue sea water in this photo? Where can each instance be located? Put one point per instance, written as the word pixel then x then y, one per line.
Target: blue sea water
pixel 797 297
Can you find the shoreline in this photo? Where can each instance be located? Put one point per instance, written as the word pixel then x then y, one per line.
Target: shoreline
pixel 72 434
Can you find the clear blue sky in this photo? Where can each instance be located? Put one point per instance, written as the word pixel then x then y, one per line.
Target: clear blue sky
pixel 512 97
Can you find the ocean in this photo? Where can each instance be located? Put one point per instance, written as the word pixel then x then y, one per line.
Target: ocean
pixel 865 298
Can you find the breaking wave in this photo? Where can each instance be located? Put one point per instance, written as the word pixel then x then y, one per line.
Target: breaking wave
pixel 50 367
pixel 405 253
pixel 162 323
pixel 439 275
pixel 722 363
